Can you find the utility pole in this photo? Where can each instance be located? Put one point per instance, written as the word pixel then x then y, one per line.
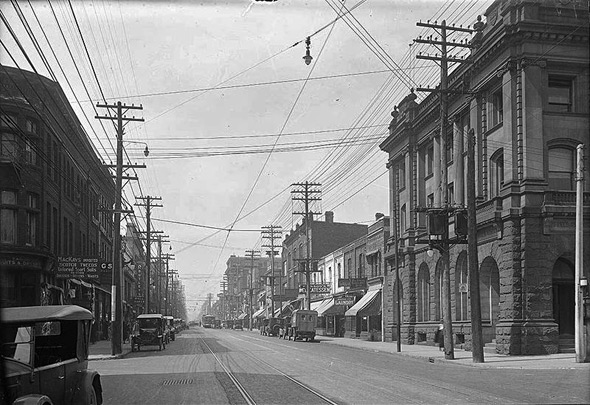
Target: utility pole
pixel 148 251
pixel 159 274
pixel 223 284
pixel 397 292
pixel 272 233
pixel 472 259
pixel 305 192
pixel 444 205
pixel 173 300
pixel 253 254
pixel 580 339
pixel 167 297
pixel 116 290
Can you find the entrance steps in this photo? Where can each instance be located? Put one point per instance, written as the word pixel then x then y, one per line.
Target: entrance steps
pixel 490 347
pixel 567 344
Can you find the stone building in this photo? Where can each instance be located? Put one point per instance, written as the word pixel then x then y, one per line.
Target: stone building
pixel 52 184
pixel 528 108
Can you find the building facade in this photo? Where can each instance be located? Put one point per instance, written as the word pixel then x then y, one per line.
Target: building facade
pixel 53 186
pixel 528 109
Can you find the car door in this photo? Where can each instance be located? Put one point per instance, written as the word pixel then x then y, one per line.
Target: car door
pixel 52 381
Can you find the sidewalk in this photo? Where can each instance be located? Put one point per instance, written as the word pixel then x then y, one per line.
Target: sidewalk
pixel 491 360
pixel 101 350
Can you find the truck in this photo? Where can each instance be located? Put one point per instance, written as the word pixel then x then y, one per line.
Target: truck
pixel 303 324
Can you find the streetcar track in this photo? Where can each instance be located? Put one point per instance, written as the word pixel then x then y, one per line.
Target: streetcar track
pixel 247 397
pixel 249 400
pixel 468 394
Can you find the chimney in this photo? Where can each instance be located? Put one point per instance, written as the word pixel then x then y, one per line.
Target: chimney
pixel 329 217
pixel 378 216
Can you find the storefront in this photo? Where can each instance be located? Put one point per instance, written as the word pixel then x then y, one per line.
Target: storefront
pixel 363 319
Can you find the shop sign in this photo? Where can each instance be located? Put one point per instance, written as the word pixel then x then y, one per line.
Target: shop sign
pixel 83 268
pixel 20 262
pixel 348 301
pixel 353 283
pixel 138 301
pixel 315 289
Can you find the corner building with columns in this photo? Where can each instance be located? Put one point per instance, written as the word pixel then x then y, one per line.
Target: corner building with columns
pixel 528 107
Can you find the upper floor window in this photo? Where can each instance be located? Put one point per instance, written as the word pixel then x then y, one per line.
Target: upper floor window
pixel 31 126
pixel 402 219
pixel 8 146
pixel 560 94
pixel 561 168
pixel 401 171
pixel 8 216
pixel 30 152
pixel 430 200
pixel 430 160
pixel 496 173
pixel 8 121
pixel 495 108
pixel 451 193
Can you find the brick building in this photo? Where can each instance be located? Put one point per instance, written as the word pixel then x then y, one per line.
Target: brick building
pixel 52 184
pixel 529 110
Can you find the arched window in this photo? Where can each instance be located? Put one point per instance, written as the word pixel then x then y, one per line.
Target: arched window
pixel 461 288
pixel 438 290
pixel 423 294
pixel 562 163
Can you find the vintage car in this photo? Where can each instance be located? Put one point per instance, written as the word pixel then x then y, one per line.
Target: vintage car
pixel 45 356
pixel 150 331
pixel 170 328
pixel 238 324
pixel 274 326
pixel 303 324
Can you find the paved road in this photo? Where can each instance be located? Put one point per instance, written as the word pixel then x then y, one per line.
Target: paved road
pixel 210 366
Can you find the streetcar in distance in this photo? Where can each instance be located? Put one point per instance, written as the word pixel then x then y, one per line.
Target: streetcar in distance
pixel 208 321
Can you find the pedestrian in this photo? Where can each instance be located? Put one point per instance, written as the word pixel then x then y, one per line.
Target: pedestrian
pixel 439 337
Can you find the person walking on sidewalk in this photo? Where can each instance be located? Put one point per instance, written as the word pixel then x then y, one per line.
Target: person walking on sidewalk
pixel 439 337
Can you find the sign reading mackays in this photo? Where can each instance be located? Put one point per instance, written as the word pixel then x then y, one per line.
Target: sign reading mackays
pixel 83 268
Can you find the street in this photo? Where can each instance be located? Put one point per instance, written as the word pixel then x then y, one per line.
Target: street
pixel 213 366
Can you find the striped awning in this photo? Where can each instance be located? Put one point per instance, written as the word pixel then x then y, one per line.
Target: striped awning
pixel 369 304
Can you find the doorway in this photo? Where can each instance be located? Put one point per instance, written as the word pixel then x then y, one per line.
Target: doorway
pixel 563 290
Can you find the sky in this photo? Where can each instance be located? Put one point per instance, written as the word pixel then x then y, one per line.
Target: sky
pixel 233 115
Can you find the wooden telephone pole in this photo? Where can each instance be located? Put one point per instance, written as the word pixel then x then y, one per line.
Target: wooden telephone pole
pixel 253 254
pixel 305 192
pixel 116 291
pixel 272 233
pixel 444 208
pixel 148 252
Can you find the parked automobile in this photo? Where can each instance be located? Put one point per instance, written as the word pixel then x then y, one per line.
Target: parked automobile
pixel 45 355
pixel 303 323
pixel 170 328
pixel 150 331
pixel 274 326
pixel 238 324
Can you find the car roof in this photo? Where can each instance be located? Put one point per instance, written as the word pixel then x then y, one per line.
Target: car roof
pixel 149 316
pixel 45 313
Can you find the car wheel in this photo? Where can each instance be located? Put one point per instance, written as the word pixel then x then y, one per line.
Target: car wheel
pixel 92 397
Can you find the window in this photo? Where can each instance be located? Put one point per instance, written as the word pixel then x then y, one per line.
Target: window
pixel 430 200
pixel 8 217
pixel 495 108
pixel 450 147
pixel 423 294
pixel 32 219
pixel 401 170
pixel 56 166
pixel 30 152
pixel 496 173
pixel 8 146
pixel 451 193
pixel 561 168
pixel 8 121
pixel 31 126
pixel 560 94
pixel 402 219
pixel 430 160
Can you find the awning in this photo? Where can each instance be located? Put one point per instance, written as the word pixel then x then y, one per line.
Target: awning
pixel 315 305
pixel 324 305
pixel 369 304
pixel 242 316
pixel 259 313
pixel 285 310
